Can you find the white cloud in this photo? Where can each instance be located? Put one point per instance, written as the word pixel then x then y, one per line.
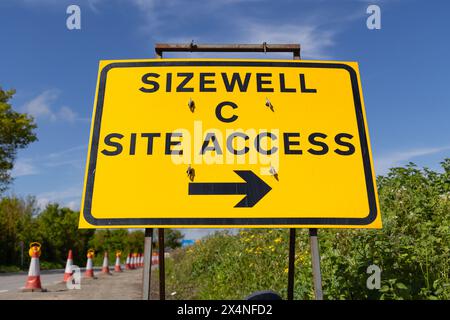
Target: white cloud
pixel 315 29
pixel 195 234
pixel 24 167
pixel 66 114
pixel 65 152
pixel 41 107
pixel 316 32
pixel 68 197
pixel 73 205
pixel 73 157
pixel 93 5
pixel 315 43
pixel 384 163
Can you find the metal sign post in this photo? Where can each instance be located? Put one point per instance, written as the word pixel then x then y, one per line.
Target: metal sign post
pixel 315 259
pixel 147 272
pixel 291 266
pixel 162 271
pixel 192 47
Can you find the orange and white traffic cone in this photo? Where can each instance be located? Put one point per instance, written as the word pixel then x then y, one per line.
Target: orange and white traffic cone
pixel 90 265
pixel 34 274
pixel 136 257
pixel 133 261
pixel 141 260
pixel 155 258
pixel 117 267
pixel 69 264
pixel 105 267
pixel 128 262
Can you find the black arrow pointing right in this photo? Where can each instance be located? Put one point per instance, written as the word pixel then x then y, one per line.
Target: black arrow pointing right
pixel 254 188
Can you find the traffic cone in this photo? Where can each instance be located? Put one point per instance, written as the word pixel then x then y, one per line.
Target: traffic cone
pixel 34 274
pixel 128 262
pixel 136 257
pixel 117 267
pixel 105 268
pixel 69 264
pixel 155 258
pixel 133 261
pixel 90 265
pixel 141 260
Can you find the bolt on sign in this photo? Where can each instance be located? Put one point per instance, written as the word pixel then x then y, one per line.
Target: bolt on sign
pixel 229 143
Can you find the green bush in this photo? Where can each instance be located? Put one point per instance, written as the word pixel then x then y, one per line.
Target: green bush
pixel 45 265
pixel 412 250
pixel 5 269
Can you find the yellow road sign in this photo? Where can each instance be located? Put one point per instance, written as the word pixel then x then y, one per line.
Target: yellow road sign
pixel 205 143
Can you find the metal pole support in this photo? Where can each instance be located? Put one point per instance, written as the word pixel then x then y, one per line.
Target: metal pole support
pixel 162 271
pixel 291 270
pixel 315 259
pixel 147 272
pixel 193 47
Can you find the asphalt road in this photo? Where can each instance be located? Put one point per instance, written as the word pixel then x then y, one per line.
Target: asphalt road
pixel 13 282
pixel 115 286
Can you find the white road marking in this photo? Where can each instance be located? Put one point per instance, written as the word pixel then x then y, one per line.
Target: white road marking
pixel 1 291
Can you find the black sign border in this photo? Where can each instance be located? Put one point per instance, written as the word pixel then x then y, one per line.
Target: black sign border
pixel 373 210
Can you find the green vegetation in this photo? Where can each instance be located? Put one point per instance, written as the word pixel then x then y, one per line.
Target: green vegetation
pixel 16 132
pixel 112 240
pixel 57 230
pixel 412 249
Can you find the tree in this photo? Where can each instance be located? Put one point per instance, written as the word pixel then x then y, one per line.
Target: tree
pixel 58 232
pixel 16 226
pixel 110 241
pixel 118 239
pixel 412 249
pixel 173 238
pixel 136 241
pixel 16 132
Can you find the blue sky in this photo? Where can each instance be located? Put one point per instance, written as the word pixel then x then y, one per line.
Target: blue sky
pixel 404 67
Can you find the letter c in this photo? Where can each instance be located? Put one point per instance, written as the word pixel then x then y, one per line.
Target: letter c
pixel 219 111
